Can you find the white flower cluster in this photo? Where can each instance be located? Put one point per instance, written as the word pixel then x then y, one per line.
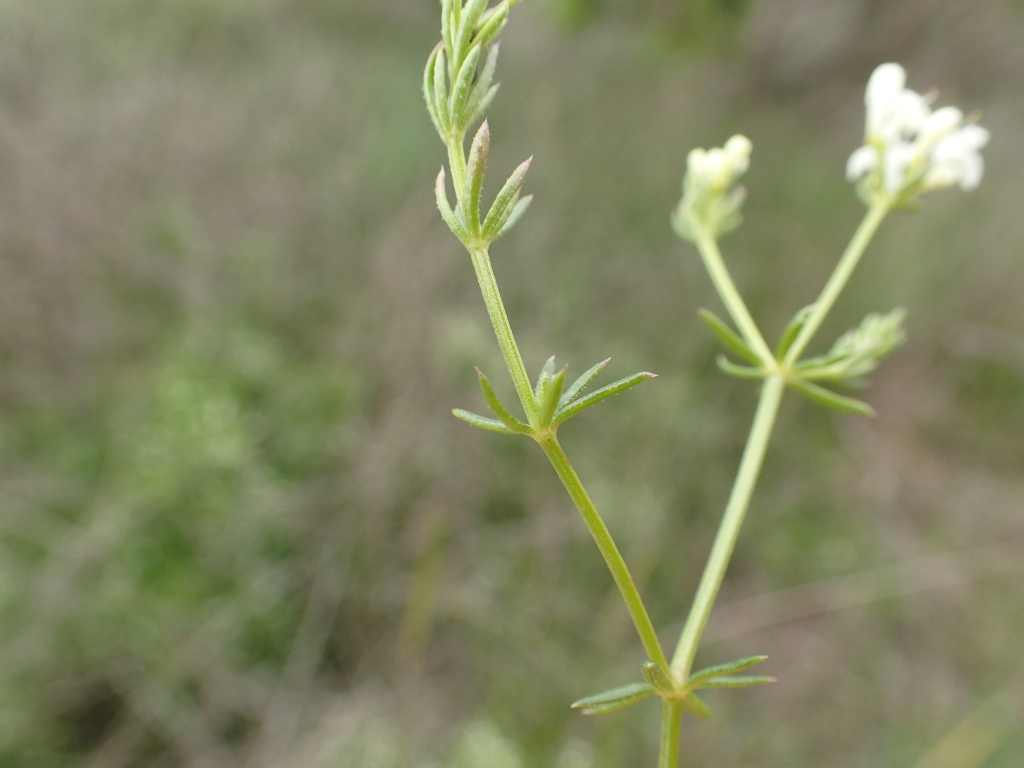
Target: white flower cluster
pixel 711 200
pixel 910 149
pixel 718 168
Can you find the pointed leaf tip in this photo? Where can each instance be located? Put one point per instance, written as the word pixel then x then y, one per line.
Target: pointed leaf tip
pixel 578 386
pixel 699 678
pixel 571 409
pixel 492 425
pixel 614 699
pixel 832 400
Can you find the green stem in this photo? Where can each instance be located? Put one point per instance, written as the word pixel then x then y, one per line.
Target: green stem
pixel 603 538
pixel 728 531
pixel 571 481
pixel 840 276
pixel 671 717
pixel 457 164
pixel 719 273
pixel 503 331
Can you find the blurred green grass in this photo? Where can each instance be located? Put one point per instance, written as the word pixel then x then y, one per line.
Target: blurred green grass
pixel 240 527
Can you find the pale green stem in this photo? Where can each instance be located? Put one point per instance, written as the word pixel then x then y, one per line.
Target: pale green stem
pixel 728 531
pixel 503 331
pixel 671 717
pixel 571 481
pixel 840 276
pixel 457 164
pixel 719 273
pixel 603 538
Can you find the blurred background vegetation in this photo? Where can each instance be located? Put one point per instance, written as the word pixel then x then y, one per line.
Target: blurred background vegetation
pixel 239 527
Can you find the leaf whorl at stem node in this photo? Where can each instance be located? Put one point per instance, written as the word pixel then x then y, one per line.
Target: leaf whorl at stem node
pixel 554 403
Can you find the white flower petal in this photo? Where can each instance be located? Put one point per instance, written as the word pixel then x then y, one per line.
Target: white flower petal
pixel 973 136
pixel 941 122
pixel 885 84
pixel 861 162
pixel 737 149
pixel 696 161
pixel 894 166
pixel 906 116
pixel 973 170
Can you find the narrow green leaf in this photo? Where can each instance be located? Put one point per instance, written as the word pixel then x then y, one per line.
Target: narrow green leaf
pixel 697 679
pixel 461 87
pixel 517 213
pixel 792 329
pixel 441 194
pixel 614 699
pixel 737 681
pixel 830 399
pixel 551 395
pixel 467 25
pixel 482 88
pixel 546 372
pixel 739 371
pixel 695 704
pixel 583 382
pixel 817 365
pixel 476 167
pixel 484 104
pixel 491 24
pixel 655 675
pixel 729 337
pixel 483 422
pixel 428 91
pixel 821 369
pixel 449 22
pixel 598 395
pixel 500 411
pixel 505 201
pixel 441 92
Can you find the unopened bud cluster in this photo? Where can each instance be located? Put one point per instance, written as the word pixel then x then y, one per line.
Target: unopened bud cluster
pixel 858 352
pixel 458 80
pixel 909 149
pixel 458 88
pixel 711 197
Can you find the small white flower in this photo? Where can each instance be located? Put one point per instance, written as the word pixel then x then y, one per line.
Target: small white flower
pixel 908 148
pixel 737 149
pixel 893 111
pixel 711 200
pixel 719 168
pixel 955 159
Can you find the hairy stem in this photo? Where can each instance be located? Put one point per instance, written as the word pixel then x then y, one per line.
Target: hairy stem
pixel 503 332
pixel 728 531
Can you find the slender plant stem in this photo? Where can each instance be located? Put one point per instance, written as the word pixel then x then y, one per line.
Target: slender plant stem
pixel 719 273
pixel 728 531
pixel 671 718
pixel 840 276
pixel 457 164
pixel 610 552
pixel 503 331
pixel 560 462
